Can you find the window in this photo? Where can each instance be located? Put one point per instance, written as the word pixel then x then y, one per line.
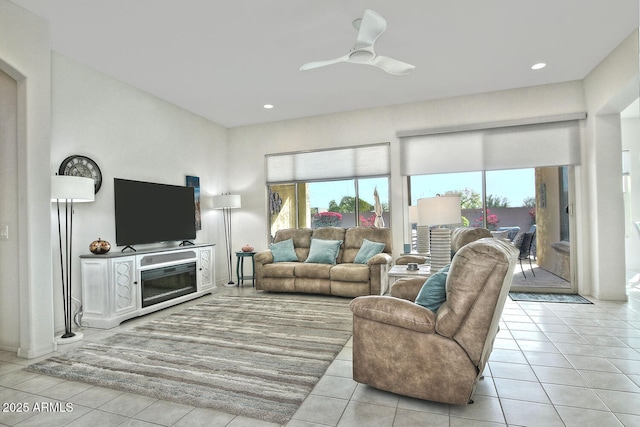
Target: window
pixel 337 203
pixel 328 187
pixel 492 199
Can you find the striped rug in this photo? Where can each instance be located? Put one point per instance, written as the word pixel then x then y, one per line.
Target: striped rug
pixel 257 356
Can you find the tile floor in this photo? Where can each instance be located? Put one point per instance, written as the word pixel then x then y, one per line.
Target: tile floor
pixel 552 365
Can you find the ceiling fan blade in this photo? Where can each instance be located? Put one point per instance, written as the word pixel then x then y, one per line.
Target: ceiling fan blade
pixel 317 64
pixel 372 26
pixel 392 66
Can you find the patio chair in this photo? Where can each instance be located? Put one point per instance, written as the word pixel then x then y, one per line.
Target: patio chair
pixel 525 251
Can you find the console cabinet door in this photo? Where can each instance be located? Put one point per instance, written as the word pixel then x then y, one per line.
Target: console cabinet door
pixel 95 287
pixel 125 296
pixel 206 271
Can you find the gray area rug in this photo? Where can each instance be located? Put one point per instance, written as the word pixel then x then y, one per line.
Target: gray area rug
pixel 257 356
pixel 535 297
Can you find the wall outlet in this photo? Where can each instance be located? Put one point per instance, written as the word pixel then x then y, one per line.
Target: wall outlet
pixel 4 232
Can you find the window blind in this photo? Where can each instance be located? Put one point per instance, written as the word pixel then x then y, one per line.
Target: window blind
pixel 359 161
pixel 513 146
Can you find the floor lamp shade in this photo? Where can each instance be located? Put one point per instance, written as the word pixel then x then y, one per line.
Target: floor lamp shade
pixel 76 188
pixel 68 190
pixel 434 212
pixel 226 202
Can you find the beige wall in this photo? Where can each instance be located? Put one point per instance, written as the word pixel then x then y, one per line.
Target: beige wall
pixel 133 135
pixel 631 142
pixel 9 337
pixel 609 89
pixel 248 146
pixel 25 57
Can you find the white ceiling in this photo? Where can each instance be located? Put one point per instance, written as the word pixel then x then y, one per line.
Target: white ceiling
pixel 225 59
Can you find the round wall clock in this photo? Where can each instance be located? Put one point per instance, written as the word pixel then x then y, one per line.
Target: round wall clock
pixel 81 166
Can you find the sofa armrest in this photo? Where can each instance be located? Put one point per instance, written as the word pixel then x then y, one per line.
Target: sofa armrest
pixel 406 259
pixel 395 312
pixel 381 258
pixel 264 257
pixel 407 287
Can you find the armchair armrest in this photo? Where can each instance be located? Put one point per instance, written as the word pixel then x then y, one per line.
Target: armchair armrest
pixel 396 312
pixel 381 258
pixel 264 257
pixel 407 287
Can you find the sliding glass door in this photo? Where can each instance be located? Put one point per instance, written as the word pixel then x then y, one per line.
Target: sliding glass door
pixel 510 203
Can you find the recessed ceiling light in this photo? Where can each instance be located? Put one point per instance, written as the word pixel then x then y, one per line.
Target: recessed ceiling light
pixel 268 106
pixel 538 66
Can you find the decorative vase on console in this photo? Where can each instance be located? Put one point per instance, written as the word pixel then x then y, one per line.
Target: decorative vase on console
pixel 99 247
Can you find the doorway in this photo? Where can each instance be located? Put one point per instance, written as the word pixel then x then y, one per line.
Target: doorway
pixel 512 203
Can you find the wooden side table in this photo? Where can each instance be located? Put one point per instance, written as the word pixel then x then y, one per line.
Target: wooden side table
pixel 240 256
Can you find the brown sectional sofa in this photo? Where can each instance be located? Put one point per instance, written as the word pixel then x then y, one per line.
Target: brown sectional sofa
pixel 345 278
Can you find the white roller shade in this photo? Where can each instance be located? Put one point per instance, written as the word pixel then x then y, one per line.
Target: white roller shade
pixel 506 147
pixel 360 161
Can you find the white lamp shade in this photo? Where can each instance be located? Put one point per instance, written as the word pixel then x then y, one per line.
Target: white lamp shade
pixel 439 210
pixel 76 188
pixel 413 214
pixel 226 201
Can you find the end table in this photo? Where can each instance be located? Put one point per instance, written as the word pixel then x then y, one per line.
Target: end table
pixel 241 255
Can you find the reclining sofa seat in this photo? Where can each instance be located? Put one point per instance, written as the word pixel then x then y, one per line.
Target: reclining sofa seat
pixel 345 278
pixel 404 348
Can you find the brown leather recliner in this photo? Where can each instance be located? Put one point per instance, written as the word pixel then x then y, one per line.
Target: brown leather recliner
pixel 409 287
pixel 404 348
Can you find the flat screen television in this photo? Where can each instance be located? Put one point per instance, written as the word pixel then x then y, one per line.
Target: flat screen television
pixel 147 212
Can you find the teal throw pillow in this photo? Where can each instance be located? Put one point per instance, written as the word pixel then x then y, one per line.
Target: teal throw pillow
pixel 283 251
pixel 367 250
pixel 434 292
pixel 324 251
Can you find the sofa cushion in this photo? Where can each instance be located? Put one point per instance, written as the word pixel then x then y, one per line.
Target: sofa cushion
pixel 301 240
pixel 323 251
pixel 283 251
pixel 354 237
pixel 280 269
pixel 348 272
pixel 433 292
pixel 367 250
pixel 331 233
pixel 312 270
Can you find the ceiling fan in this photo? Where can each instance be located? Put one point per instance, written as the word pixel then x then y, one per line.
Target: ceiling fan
pixel 370 27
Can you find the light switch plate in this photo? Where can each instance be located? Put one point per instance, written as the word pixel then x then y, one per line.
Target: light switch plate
pixel 4 232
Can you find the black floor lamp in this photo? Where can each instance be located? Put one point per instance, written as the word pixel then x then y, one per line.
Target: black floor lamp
pixel 67 190
pixel 226 202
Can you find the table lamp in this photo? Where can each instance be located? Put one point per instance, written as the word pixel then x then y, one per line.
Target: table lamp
pixel 438 212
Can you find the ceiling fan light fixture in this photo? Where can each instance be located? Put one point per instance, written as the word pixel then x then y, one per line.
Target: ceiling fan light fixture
pixel 370 27
pixel 267 106
pixel 538 66
pixel 361 56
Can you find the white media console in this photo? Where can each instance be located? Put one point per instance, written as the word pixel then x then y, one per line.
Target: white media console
pixel 121 285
